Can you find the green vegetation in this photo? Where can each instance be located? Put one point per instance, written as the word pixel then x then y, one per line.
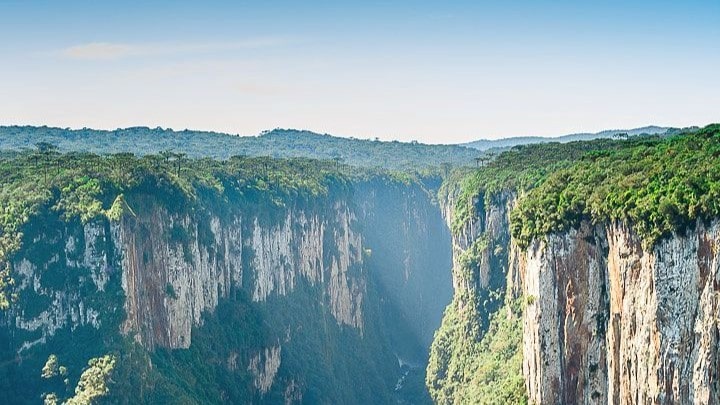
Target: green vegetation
pixel 476 355
pixel 93 382
pixel 279 143
pixel 57 193
pixel 87 186
pixel 170 291
pixel 50 369
pixel 91 386
pixel 520 169
pixel 659 186
pixel 469 366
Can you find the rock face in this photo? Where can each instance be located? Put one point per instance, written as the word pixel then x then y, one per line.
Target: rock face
pixel 264 367
pixel 169 282
pixel 485 278
pixel 63 254
pixel 302 283
pixel 608 321
pixel 173 270
pixel 605 320
pixel 486 236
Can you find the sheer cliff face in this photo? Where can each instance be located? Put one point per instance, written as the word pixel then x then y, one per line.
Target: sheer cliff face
pixel 297 284
pixel 170 281
pixel 485 278
pixel 605 320
pixel 610 322
pixel 174 267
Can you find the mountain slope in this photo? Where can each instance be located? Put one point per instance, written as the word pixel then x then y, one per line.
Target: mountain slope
pixel 277 143
pixel 485 144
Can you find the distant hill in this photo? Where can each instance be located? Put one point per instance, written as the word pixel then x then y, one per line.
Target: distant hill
pixel 276 143
pixel 485 144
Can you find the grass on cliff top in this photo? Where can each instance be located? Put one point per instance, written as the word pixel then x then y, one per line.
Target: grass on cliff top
pixel 519 169
pixel 659 186
pixel 88 186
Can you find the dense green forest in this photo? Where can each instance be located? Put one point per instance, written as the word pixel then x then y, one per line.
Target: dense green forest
pixel 475 365
pixel 520 169
pixel 278 143
pixel 659 186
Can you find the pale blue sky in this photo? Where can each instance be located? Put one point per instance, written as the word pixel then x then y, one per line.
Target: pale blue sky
pixel 438 72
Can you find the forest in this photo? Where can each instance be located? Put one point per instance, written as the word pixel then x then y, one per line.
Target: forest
pixel 278 143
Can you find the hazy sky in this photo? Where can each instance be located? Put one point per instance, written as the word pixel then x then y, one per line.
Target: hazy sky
pixel 438 72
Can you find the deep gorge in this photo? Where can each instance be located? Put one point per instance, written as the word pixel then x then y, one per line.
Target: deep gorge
pixel 557 274
pixel 283 305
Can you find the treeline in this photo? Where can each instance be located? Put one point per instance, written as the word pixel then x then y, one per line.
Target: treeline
pixel 278 143
pixel 85 186
pixel 657 186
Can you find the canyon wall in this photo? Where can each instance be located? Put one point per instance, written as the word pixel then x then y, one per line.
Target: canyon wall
pixel 614 322
pixel 604 318
pixel 176 266
pixel 169 282
pixel 464 366
pixel 276 296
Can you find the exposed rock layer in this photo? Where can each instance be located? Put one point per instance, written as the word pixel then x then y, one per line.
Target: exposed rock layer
pixel 170 283
pixel 160 272
pixel 605 320
pixel 611 322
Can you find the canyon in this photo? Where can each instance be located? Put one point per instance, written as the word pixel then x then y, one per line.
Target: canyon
pixel 549 277
pixel 151 280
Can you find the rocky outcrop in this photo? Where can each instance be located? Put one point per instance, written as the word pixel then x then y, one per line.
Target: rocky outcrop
pixel 485 279
pixel 609 321
pixel 74 255
pixel 264 366
pixel 170 282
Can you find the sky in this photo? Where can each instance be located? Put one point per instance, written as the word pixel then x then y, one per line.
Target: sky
pixel 432 71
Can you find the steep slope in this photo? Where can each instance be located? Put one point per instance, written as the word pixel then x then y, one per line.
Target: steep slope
pixel 616 323
pixel 237 292
pixel 612 270
pixel 475 355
